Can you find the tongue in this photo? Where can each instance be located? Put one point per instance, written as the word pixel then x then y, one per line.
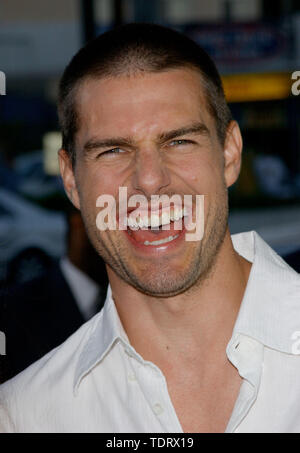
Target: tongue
pixel 154 234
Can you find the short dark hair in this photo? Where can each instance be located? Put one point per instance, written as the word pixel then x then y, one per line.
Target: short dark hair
pixel 135 48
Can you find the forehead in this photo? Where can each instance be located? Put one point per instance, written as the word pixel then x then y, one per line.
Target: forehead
pixel 141 104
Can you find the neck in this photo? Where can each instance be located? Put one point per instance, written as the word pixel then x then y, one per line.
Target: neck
pixel 197 322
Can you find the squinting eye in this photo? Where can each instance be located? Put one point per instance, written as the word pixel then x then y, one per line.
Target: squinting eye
pixel 180 142
pixel 112 151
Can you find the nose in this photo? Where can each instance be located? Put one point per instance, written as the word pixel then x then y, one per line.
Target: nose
pixel 150 175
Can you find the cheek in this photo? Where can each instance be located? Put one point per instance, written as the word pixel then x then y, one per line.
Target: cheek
pixel 204 175
pixel 94 182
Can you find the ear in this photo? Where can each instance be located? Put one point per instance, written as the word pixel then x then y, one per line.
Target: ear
pixel 232 153
pixel 68 177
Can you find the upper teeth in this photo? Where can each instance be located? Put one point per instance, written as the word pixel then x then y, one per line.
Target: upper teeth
pixel 155 220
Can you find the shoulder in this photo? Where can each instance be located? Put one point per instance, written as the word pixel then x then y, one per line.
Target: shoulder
pixel 47 380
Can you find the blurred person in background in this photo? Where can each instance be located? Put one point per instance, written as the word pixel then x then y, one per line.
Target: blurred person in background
pixel 194 336
pixel 40 314
pixel 293 259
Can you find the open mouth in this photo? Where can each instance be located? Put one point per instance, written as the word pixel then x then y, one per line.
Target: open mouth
pixel 156 229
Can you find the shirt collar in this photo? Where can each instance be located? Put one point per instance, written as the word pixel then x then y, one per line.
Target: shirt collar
pixel 105 332
pixel 270 310
pixel 269 313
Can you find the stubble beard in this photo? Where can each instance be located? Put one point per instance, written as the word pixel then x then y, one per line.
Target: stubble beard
pixel 161 280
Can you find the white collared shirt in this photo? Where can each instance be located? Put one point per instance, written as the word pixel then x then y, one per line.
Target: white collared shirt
pixel 96 382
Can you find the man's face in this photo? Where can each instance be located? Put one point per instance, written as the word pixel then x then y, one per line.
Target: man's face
pixel 126 139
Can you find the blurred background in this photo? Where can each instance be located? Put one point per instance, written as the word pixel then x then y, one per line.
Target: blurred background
pixel 51 280
pixel 256 46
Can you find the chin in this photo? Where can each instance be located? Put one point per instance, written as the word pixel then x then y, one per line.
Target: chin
pixel 163 283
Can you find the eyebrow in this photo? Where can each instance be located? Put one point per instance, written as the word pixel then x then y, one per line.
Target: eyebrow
pixel 195 129
pixel 107 143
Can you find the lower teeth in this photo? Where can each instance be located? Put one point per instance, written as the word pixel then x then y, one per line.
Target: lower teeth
pixel 162 241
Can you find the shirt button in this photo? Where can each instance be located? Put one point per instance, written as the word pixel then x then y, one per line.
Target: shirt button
pixel 158 409
pixel 131 377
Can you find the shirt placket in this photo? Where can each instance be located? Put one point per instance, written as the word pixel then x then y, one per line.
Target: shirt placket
pixel 246 354
pixel 154 388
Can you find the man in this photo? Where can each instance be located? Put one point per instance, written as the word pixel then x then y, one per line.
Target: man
pixel 195 335
pixel 40 314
